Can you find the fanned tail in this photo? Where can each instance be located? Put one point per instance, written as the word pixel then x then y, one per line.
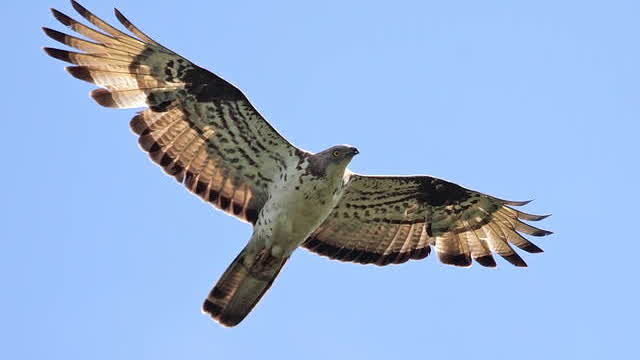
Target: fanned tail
pixel 241 287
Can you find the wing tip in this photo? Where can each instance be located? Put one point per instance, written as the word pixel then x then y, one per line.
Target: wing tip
pixel 132 28
pixel 529 217
pixel 80 73
pixel 79 8
pixel 138 125
pixel 515 260
pixel 541 232
pixel 462 260
pixel 531 248
pixel 58 54
pixel 517 203
pixel 83 11
pixel 486 261
pixel 123 19
pixel 420 253
pixel 61 17
pixel 104 98
pixel 529 229
pixel 54 34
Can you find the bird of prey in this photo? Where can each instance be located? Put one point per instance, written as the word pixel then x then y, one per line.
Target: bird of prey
pixel 205 133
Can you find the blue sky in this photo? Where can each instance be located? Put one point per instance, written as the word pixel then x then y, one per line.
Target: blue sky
pixel 104 257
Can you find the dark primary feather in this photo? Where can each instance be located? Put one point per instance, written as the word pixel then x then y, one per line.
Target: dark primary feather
pixel 198 127
pixel 391 219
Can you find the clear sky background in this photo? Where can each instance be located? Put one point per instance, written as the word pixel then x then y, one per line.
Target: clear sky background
pixel 104 257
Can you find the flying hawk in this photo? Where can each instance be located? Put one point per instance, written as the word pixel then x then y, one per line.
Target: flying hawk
pixel 205 133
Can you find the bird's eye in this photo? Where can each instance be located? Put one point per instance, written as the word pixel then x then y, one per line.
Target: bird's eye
pixel 336 153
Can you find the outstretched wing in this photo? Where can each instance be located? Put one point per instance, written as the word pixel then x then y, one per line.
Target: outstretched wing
pixel 383 220
pixel 199 128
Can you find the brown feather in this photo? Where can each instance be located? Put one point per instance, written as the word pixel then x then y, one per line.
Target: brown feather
pixel 105 26
pixel 241 287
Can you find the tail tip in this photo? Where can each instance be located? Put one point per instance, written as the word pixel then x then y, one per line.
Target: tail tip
pixel 212 309
pixel 215 311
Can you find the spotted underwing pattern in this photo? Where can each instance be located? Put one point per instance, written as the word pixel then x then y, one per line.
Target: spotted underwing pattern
pixel 199 128
pixel 204 132
pixel 391 219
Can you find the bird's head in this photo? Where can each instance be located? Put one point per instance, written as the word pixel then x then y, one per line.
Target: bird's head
pixel 335 158
pixel 340 153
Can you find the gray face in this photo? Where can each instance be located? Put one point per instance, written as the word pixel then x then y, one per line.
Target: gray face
pixel 339 153
pixel 332 160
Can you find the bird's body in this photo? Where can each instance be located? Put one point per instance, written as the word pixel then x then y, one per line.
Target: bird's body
pixel 205 133
pixel 297 209
pixel 308 192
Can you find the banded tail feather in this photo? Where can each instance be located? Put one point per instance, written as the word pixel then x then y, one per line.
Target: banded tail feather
pixel 241 287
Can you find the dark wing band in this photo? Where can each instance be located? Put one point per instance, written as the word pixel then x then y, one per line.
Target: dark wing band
pixel 199 128
pixel 390 220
